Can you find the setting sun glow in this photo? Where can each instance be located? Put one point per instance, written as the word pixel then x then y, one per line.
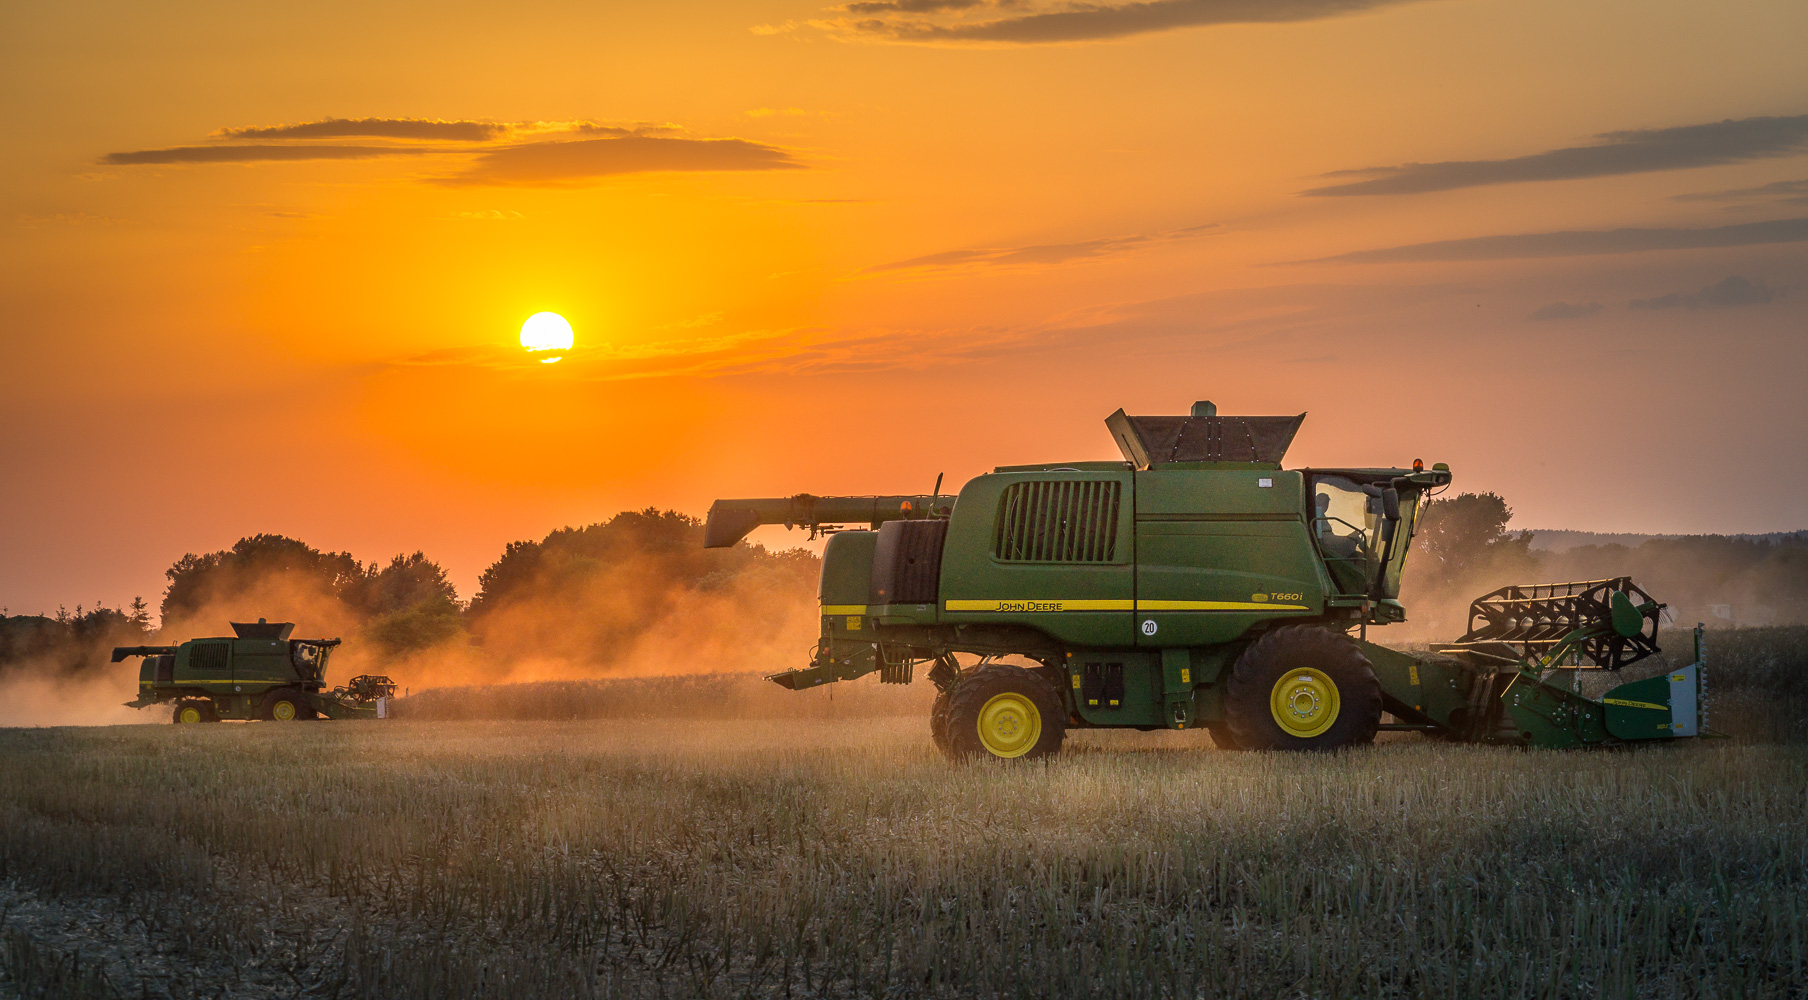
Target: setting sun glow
pixel 546 331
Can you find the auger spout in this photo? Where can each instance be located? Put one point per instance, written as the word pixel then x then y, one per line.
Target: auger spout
pixel 731 520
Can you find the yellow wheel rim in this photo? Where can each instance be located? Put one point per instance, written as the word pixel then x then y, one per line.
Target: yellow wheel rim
pixel 283 711
pixel 1009 725
pixel 1304 702
pixel 190 714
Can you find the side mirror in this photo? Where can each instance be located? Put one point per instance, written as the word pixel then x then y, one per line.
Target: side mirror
pixel 1390 504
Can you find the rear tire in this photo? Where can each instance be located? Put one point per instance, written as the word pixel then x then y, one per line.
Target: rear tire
pixel 938 721
pixel 1003 712
pixel 1221 735
pixel 1302 688
pixel 285 705
pixel 194 710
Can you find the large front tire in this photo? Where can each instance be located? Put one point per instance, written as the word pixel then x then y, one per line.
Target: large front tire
pixel 1303 688
pixel 1004 713
pixel 286 705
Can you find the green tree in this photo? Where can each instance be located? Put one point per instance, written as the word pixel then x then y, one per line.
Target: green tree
pixel 412 604
pixel 197 580
pixel 1462 543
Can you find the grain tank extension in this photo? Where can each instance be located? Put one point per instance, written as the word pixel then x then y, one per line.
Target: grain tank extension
pixel 259 672
pixel 1198 583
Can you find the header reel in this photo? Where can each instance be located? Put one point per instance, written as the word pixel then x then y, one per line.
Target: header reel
pixel 1606 623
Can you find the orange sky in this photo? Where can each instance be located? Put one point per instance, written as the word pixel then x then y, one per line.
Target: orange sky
pixel 263 270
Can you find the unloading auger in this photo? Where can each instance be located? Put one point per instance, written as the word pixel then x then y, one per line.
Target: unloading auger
pixel 1198 583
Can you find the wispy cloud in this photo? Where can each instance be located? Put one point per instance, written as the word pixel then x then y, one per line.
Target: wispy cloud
pixel 1584 242
pixel 555 163
pixel 1726 293
pixel 520 153
pixel 1564 310
pixel 1039 255
pixel 1778 192
pixel 255 153
pixel 1016 23
pixel 1629 152
pixel 372 128
pixel 909 6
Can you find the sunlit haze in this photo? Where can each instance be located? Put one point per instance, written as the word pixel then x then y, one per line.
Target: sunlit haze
pixel 266 268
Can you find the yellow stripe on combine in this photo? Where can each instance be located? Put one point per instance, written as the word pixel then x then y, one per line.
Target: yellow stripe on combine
pixel 1623 703
pixel 1063 605
pixel 1039 605
pixel 1217 606
pixel 844 609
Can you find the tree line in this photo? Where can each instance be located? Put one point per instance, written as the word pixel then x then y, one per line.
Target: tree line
pixel 581 593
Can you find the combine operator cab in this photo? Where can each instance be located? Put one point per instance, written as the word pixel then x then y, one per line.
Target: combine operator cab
pixel 1362 524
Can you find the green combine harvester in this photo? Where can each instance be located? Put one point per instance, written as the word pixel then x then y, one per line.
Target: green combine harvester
pixel 259 673
pixel 1197 583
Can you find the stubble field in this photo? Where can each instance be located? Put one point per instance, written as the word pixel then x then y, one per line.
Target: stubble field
pixel 805 858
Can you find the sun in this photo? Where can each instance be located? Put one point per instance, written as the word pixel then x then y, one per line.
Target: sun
pixel 546 331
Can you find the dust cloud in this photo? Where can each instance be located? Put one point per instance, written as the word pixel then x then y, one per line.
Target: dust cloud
pixel 635 597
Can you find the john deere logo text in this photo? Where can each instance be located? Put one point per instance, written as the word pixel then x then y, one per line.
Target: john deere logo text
pixel 1030 605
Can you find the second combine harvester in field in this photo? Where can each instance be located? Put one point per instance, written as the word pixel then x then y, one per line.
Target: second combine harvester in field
pixel 1197 583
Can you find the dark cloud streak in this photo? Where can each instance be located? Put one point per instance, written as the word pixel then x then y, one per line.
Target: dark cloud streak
pixel 1576 243
pixel 1564 310
pixel 1727 293
pixel 254 154
pixel 1630 152
pixel 1782 192
pixel 374 128
pixel 1040 255
pixel 907 6
pixel 1088 23
pixel 556 163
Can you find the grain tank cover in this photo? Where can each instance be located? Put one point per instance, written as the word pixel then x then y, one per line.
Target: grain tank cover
pixel 1202 436
pixel 262 629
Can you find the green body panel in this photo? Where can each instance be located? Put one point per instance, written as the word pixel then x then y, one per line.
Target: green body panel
pixel 1645 710
pixel 1550 717
pixel 1142 700
pixel 1219 552
pixel 1406 680
pixel 262 665
pixel 1074 604
pixel 847 569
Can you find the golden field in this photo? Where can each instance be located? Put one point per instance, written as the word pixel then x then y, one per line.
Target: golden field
pixel 844 857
